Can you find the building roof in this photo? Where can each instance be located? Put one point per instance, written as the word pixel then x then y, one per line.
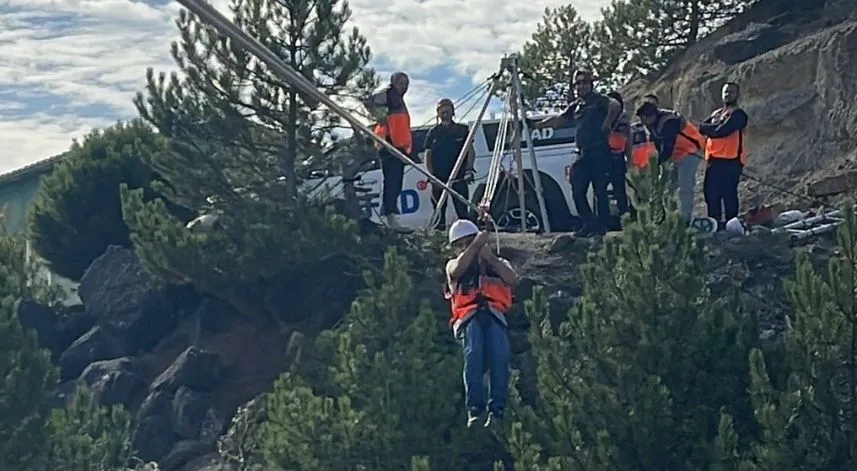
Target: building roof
pixel 42 166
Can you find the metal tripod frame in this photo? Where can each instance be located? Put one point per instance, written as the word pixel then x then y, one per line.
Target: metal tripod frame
pixel 518 119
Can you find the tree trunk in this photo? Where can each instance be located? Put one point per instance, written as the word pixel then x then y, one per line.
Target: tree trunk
pixel 291 149
pixel 695 20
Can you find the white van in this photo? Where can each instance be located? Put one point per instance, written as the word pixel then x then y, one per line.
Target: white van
pixel 555 151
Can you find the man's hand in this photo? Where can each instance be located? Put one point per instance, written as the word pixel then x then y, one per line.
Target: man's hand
pixel 469 175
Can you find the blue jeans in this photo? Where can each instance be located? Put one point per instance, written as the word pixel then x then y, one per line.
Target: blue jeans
pixel 486 346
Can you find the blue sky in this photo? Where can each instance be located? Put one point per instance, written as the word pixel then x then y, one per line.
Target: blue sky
pixel 70 66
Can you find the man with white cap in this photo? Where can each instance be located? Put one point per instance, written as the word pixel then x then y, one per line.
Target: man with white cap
pixel 479 287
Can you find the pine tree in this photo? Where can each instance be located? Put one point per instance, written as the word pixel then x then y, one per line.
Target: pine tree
pixel 27 375
pixel 77 212
pixel 808 409
pixel 394 391
pixel 562 43
pixel 643 371
pixel 89 437
pixel 233 122
pixel 25 369
pixel 650 33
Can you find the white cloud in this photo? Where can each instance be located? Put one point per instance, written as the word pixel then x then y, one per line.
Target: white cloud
pixel 72 65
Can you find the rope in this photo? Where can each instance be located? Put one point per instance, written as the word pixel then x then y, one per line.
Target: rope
pixel 499 149
pixel 215 19
pixel 462 155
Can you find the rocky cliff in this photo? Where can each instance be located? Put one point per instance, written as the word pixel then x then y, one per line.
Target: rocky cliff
pixel 794 61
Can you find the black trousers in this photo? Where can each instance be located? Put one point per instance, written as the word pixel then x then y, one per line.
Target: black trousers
pixel 393 171
pixel 721 188
pixel 591 169
pixel 618 169
pixel 461 209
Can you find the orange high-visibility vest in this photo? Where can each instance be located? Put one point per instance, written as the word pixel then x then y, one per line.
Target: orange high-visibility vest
pixel 727 148
pixel 688 142
pixel 397 128
pixel 642 147
pixel 491 292
pixel 618 137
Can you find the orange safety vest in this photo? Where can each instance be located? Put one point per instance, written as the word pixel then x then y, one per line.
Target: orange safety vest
pixel 642 146
pixel 729 147
pixel 618 137
pixel 688 142
pixel 490 292
pixel 397 128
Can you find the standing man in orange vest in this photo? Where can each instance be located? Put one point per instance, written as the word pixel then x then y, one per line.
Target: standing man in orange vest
pixel 394 124
pixel 678 140
pixel 725 155
pixel 479 287
pixel 620 145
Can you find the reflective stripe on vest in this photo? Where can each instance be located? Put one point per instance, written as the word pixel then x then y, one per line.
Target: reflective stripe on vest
pixel 642 147
pixel 688 142
pixel 492 293
pixel 726 148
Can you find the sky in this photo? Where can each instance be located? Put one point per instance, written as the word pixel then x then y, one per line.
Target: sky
pixel 70 66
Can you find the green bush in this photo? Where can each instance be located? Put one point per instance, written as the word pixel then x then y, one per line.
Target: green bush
pixel 393 399
pixel 77 212
pixel 643 371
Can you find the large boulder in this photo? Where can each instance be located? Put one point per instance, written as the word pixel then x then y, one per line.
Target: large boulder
pixel 95 345
pixel 195 368
pixel 126 300
pixel 118 381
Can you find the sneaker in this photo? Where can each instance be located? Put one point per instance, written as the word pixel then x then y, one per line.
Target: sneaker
pixel 473 417
pixel 495 419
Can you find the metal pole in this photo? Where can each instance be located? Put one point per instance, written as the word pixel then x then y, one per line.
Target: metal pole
pixel 471 134
pixel 537 178
pixel 209 15
pixel 516 149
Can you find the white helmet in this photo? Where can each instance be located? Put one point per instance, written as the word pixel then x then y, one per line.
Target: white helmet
pixel 461 229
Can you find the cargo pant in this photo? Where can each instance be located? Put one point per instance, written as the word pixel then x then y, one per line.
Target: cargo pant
pixel 485 342
pixel 684 178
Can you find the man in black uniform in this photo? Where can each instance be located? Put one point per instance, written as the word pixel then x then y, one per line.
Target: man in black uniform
pixel 593 115
pixel 443 145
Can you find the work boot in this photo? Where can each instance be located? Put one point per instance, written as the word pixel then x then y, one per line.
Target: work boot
pixel 495 419
pixel 473 416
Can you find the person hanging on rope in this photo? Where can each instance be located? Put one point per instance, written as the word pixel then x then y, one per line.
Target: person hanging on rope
pixel 678 140
pixel 725 156
pixel 444 142
pixel 479 286
pixel 388 107
pixel 593 115
pixel 621 147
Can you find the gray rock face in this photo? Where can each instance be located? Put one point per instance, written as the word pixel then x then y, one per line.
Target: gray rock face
pixel 754 40
pixel 188 412
pixel 95 345
pixel 119 381
pixel 195 368
pixel 128 305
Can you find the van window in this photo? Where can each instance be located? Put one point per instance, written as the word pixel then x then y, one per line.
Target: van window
pixel 541 138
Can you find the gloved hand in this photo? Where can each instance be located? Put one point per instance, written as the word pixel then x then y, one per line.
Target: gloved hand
pixel 469 175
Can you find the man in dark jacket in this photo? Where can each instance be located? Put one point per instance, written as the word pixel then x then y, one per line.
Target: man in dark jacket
pixel 593 115
pixel 444 143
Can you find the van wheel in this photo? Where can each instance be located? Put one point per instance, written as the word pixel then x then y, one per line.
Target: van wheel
pixel 508 218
